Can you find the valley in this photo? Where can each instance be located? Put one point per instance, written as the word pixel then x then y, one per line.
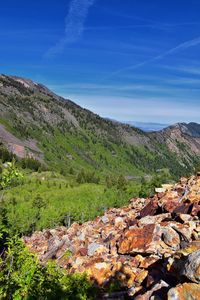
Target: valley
pixel 67 177
pixel 35 122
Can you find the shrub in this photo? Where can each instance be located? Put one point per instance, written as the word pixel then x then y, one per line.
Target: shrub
pixel 5 155
pixel 23 277
pixel 10 176
pixel 31 163
pixel 87 177
pixel 119 182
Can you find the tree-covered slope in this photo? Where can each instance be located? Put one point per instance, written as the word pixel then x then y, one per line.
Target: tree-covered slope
pixel 36 122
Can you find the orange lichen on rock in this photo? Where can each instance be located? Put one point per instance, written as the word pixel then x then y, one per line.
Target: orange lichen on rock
pixel 149 249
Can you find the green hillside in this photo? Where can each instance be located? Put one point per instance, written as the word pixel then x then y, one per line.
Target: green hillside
pixel 46 199
pixel 65 137
pixel 59 164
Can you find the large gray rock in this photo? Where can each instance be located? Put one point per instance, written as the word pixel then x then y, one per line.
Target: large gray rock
pixel 94 248
pixel 191 267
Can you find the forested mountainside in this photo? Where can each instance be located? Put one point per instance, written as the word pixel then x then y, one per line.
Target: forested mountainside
pixel 64 136
pixel 65 168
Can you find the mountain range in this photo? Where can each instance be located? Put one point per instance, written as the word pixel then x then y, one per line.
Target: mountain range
pixel 147 126
pixel 37 123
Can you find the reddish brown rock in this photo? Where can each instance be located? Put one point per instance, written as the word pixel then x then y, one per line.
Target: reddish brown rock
pixel 157 289
pixel 194 197
pixel 83 251
pixel 99 272
pixel 170 204
pixel 171 237
pixel 141 247
pixel 185 291
pixel 149 261
pixel 140 277
pixel 195 210
pixel 150 209
pixel 140 240
pixel 183 208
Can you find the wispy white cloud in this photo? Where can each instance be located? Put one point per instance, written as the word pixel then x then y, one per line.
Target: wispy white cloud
pixel 152 24
pixel 156 23
pixel 128 48
pixel 167 87
pixel 184 81
pixel 114 27
pixel 180 47
pixel 74 24
pixel 151 109
pixel 193 70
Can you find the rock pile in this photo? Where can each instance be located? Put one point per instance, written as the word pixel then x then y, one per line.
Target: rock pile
pixel 147 250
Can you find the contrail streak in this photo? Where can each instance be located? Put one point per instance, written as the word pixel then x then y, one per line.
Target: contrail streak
pixel 182 46
pixel 74 25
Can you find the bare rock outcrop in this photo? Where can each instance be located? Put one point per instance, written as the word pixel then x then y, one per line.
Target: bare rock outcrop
pixel 148 250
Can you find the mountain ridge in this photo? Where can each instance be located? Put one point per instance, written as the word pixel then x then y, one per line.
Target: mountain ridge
pixel 63 134
pixel 147 126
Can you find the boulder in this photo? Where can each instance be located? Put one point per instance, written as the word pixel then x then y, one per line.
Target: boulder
pixel 149 249
pixel 100 272
pixel 186 291
pixel 156 292
pixel 171 238
pixel 191 267
pixel 150 209
pixel 95 248
pixel 140 240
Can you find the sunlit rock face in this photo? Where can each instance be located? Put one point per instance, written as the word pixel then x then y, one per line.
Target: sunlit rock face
pixel 147 250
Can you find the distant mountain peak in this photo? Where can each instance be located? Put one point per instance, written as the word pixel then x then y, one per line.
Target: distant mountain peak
pixel 147 126
pixel 192 129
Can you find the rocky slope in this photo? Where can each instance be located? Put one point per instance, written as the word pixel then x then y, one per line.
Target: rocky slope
pixel 181 138
pixel 147 250
pixel 35 122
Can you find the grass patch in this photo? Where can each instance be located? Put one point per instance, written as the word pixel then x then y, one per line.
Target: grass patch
pixel 47 199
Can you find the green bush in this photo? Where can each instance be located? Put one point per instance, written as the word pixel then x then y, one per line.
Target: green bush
pixel 23 277
pixel 10 176
pixel 119 182
pixel 31 163
pixel 5 155
pixel 87 177
pixel 148 185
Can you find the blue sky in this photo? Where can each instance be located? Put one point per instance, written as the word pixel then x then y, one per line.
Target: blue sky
pixel 128 60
